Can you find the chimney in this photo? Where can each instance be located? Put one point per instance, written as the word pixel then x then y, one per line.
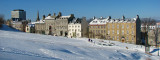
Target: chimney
pixel 44 17
pixel 94 17
pixel 49 14
pixel 54 14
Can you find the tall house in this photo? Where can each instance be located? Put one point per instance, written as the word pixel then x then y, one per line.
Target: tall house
pixel 97 28
pixel 18 15
pixel 78 28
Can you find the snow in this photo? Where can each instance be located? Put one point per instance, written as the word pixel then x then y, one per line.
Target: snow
pixel 98 22
pixel 27 46
pixel 64 16
pixel 49 17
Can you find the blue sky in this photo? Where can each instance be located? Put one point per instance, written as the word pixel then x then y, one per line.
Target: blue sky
pixel 87 8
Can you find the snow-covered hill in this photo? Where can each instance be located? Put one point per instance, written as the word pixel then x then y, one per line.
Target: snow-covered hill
pixel 26 46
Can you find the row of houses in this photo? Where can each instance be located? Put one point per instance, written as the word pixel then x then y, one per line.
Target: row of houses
pixel 123 30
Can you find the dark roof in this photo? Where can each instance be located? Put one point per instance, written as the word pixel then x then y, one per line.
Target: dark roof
pixel 76 20
pixel 18 10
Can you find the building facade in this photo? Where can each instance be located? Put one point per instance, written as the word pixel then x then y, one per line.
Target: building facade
pixel 123 30
pixel 78 28
pixel 40 27
pixel 30 28
pixel 18 15
pixel 97 28
pixel 54 25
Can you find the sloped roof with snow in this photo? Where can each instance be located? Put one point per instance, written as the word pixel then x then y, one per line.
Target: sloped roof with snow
pixel 49 17
pixel 104 21
pixel 99 21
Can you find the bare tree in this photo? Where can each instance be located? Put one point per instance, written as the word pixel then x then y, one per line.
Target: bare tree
pixel 146 23
pixel 1 20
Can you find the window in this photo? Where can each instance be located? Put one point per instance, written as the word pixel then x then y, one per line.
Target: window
pixel 112 31
pixel 122 26
pixel 101 31
pixel 104 26
pixel 117 26
pixel 104 31
pixel 77 34
pixel 108 26
pixel 101 26
pixel 117 37
pixel 72 29
pixel 127 38
pixel 112 26
pixel 108 32
pixel 127 32
pixel 122 31
pixel 117 31
pixel 132 32
pixel 113 37
pixel 132 26
pixel 98 31
pixel 127 26
pixel 90 30
pixel 98 26
pixel 132 38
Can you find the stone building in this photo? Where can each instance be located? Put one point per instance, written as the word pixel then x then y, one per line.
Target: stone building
pixel 57 25
pixel 54 25
pixel 19 25
pixel 40 27
pixel 78 28
pixel 123 30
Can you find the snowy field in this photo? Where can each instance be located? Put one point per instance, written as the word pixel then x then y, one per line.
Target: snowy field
pixel 15 45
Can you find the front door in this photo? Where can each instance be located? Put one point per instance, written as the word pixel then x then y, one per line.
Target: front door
pixel 123 40
pixel 61 33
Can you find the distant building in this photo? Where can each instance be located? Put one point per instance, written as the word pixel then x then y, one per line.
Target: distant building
pixel 78 28
pixel 30 28
pixel 18 15
pixel 20 25
pixel 151 37
pixel 123 30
